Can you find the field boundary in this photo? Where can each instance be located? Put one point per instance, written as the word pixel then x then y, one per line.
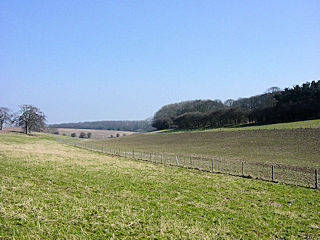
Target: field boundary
pixel 278 173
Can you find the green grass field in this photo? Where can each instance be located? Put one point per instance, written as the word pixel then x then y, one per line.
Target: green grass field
pixel 54 191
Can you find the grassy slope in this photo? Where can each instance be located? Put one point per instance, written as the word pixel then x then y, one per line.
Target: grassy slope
pixel 49 191
pixel 296 147
pixel 289 125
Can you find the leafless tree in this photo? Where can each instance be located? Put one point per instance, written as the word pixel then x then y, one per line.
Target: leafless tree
pixel 5 116
pixel 30 118
pixel 273 90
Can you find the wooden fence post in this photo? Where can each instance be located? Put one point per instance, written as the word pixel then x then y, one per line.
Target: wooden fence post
pixel 212 163
pixel 191 161
pixel 242 168
pixel 161 158
pixel 316 178
pixel 177 161
pixel 272 173
pixel 150 157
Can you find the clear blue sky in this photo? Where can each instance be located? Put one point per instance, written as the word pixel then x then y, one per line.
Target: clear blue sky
pixel 117 60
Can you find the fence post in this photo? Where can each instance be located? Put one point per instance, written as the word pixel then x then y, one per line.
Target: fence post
pixel 316 178
pixel 212 163
pixel 133 153
pixel 177 161
pixel 272 173
pixel 191 161
pixel 161 158
pixel 242 168
pixel 150 157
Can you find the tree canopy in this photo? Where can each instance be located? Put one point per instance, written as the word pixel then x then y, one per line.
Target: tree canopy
pixel 291 104
pixel 5 116
pixel 134 126
pixel 30 118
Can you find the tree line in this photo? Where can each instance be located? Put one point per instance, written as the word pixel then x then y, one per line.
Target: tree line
pixel 133 126
pixel 274 106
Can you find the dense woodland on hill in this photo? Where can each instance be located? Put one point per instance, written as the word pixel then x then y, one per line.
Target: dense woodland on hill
pixel 291 104
pixel 133 126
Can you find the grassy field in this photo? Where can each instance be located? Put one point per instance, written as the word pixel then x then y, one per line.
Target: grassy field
pixel 95 134
pixel 294 147
pixel 50 190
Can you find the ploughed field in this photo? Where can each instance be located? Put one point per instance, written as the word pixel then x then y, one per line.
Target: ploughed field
pixel 290 147
pixel 50 190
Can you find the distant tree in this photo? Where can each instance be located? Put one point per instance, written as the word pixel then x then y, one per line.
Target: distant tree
pixel 229 102
pixel 111 136
pixel 118 135
pixel 164 118
pixel 5 116
pixel 53 130
pixel 82 135
pixel 273 90
pixel 89 134
pixel 161 123
pixel 73 134
pixel 142 125
pixel 30 118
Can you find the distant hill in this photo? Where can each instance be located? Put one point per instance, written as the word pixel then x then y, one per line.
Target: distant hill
pixel 132 126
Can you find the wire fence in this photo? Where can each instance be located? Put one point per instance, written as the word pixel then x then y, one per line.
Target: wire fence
pixel 301 176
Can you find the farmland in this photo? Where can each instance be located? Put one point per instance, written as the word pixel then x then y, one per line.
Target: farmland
pixel 96 134
pixel 294 147
pixel 50 190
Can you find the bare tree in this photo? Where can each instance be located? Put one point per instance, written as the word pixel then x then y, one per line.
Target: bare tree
pixel 229 102
pixel 5 116
pixel 30 118
pixel 273 90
